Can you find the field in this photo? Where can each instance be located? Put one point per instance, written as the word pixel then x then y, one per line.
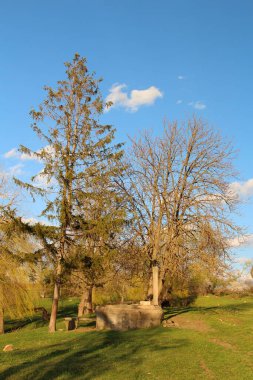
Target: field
pixel 213 339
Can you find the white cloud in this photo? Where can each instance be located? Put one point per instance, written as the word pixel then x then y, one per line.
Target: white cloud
pixel 14 153
pixel 198 105
pixel 242 241
pixel 15 170
pixel 8 193
pixel 6 174
pixel 11 153
pixel 48 149
pixel 33 221
pixel 43 181
pixel 179 101
pixel 26 156
pixel 242 189
pixel 134 100
pixel 180 77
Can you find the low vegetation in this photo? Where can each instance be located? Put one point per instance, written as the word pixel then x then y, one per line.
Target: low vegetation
pixel 212 340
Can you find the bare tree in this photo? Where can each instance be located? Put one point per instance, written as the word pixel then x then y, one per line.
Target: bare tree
pixel 179 198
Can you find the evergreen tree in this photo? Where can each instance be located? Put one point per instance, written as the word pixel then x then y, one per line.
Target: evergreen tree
pixel 78 155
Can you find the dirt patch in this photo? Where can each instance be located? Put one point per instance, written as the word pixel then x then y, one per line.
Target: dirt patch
pixel 193 324
pixel 222 343
pixel 208 373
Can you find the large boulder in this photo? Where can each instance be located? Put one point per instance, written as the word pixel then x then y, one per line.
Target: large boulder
pixel 125 317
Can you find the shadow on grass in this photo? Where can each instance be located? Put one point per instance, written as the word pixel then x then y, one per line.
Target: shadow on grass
pixel 171 312
pixel 90 355
pixel 36 321
pixel 17 324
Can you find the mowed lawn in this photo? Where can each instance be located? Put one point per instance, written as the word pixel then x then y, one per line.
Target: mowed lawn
pixel 213 340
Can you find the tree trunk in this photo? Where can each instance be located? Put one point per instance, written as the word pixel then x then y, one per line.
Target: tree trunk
pixel 1 321
pixel 155 270
pixel 52 322
pixel 162 289
pixel 85 306
pixel 150 286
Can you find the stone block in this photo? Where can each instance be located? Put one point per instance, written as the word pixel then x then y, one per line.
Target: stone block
pixel 125 317
pixel 70 323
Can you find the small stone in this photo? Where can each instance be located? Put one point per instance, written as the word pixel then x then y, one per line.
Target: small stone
pixel 169 323
pixel 8 347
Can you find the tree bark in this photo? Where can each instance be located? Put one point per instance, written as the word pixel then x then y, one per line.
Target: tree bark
pixel 1 321
pixel 52 322
pixel 85 306
pixel 150 287
pixel 155 270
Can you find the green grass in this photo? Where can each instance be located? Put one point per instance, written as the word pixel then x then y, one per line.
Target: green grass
pixel 213 341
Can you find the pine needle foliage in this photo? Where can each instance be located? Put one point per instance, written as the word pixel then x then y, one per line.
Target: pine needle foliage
pixel 78 156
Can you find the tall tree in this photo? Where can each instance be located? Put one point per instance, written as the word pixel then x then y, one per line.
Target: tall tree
pixel 78 148
pixel 178 191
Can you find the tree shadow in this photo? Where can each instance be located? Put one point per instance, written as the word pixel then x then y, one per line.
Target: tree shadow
pixel 36 320
pixel 171 312
pixel 17 324
pixel 89 355
pixel 94 354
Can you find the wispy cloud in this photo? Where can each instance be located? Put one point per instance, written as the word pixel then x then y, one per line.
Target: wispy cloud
pixel 43 181
pixel 242 241
pixel 198 105
pixel 133 101
pixel 7 173
pixel 8 193
pixel 179 101
pixel 14 153
pixel 16 169
pixel 181 77
pixel 242 189
pixel 32 221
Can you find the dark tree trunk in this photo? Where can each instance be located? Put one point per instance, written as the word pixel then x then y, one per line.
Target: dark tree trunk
pixel 164 289
pixel 85 306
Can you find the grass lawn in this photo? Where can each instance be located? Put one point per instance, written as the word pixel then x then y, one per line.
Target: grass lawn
pixel 213 340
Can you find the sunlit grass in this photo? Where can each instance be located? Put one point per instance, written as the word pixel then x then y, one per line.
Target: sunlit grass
pixel 213 340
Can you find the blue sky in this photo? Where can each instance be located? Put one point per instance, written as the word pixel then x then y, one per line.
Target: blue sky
pixel 191 56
